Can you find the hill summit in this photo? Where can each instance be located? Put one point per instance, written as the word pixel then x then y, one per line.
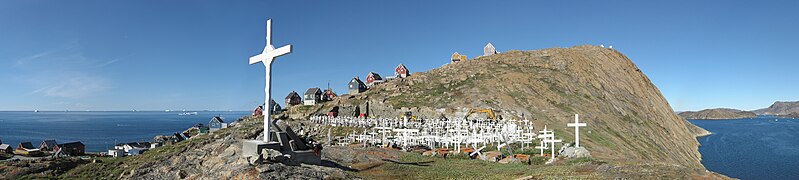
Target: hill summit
pixel 628 118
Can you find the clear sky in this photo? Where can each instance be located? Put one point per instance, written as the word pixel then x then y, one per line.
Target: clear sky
pixel 155 55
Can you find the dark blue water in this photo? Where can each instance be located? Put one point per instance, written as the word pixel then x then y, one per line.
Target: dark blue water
pixel 99 130
pixel 757 148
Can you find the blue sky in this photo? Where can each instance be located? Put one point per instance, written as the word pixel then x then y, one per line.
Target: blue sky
pixel 155 55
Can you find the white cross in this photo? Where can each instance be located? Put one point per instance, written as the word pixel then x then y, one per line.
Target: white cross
pixel 576 126
pixel 267 57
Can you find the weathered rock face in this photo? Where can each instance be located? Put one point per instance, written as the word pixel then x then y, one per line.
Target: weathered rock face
pixel 780 108
pixel 718 113
pixel 628 118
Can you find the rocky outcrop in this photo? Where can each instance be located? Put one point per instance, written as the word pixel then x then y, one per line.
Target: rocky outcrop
pixel 718 113
pixel 780 108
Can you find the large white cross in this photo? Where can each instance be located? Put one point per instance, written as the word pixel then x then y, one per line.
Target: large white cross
pixel 576 126
pixel 267 57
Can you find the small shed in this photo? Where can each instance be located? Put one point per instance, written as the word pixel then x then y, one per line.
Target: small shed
pixel 136 151
pixel 116 153
pixel 356 86
pixel 216 124
pixel 312 96
pixel 47 145
pixel 401 71
pixel 489 50
pixel 73 148
pixel 373 79
pixel 293 99
pixel 458 57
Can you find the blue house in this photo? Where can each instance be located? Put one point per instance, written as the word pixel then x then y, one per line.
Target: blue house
pixel 216 123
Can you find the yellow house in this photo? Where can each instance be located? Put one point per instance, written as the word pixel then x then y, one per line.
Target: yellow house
pixel 458 57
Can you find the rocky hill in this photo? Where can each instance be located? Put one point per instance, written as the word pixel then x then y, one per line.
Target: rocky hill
pixel 780 107
pixel 718 113
pixel 628 118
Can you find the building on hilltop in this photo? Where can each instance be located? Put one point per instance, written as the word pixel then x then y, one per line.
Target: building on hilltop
pixel 329 95
pixel 489 50
pixel 373 79
pixel 293 99
pixel 274 108
pixel 312 96
pixel 401 71
pixel 458 57
pixel 356 86
pixel 258 111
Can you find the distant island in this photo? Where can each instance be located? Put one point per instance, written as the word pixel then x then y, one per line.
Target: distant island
pixel 717 113
pixel 780 108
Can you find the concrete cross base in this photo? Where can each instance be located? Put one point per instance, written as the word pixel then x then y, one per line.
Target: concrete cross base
pixel 254 147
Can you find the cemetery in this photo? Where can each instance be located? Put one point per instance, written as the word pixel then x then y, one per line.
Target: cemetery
pixel 442 137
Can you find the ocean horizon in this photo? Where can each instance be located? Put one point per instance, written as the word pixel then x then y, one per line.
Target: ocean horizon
pixel 100 130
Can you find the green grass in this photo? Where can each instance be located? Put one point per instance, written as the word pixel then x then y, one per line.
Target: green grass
pixel 460 167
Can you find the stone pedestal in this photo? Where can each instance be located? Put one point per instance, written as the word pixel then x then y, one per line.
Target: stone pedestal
pixel 254 147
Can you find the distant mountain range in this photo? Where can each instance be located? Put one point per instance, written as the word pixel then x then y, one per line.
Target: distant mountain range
pixel 780 108
pixel 718 113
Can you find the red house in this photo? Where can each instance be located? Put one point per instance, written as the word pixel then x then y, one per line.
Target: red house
pixel 401 71
pixel 373 79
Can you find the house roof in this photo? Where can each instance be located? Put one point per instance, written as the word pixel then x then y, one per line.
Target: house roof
pixel 375 76
pixel 357 80
pixel 72 144
pixel 5 146
pixel 292 94
pixel 312 91
pixel 27 145
pixel 50 143
pixel 217 118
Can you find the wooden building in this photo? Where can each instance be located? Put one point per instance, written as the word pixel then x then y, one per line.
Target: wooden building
pixel 401 71
pixel 216 124
pixel 458 57
pixel 47 145
pixel 274 107
pixel 73 149
pixel 312 96
pixel 373 79
pixel 293 99
pixel 27 149
pixel 329 95
pixel 489 50
pixel 356 86
pixel 6 148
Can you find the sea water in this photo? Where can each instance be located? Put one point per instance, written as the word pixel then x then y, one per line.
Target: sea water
pixel 99 131
pixel 765 147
